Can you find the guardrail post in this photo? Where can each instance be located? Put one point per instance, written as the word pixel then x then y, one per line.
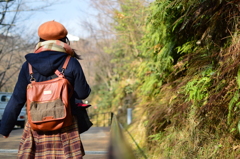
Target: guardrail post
pixel 129 116
pixel 111 118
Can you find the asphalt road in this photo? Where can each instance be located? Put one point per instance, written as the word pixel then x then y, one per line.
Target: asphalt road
pixel 95 142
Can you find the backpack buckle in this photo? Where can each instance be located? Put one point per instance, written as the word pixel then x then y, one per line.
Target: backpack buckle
pixel 63 71
pixel 32 78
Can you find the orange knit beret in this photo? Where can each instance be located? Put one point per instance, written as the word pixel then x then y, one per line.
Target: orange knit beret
pixel 52 30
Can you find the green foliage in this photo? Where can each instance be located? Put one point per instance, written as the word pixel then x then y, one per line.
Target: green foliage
pixel 239 127
pixel 184 75
pixel 181 49
pixel 197 88
pixel 157 137
pixel 128 25
pixel 100 97
pixel 238 78
pixel 186 48
pixel 233 102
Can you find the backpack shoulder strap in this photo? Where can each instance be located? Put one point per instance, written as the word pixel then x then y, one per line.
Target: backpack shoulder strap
pixel 30 69
pixel 58 73
pixel 31 72
pixel 66 62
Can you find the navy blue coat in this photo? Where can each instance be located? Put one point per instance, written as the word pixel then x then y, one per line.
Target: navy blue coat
pixel 44 65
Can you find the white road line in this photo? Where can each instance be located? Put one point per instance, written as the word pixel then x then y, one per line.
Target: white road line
pixel 95 152
pixel 86 152
pixel 8 150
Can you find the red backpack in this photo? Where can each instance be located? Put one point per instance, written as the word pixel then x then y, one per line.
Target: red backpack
pixel 48 106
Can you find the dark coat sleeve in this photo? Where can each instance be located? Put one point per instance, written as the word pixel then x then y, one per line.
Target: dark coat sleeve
pixel 81 87
pixel 15 103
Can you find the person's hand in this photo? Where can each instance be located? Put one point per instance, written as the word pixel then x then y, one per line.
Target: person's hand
pixel 5 137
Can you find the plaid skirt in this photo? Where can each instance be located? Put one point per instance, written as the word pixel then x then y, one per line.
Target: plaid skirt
pixel 61 144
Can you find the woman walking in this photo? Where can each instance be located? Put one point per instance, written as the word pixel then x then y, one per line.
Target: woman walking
pixel 49 55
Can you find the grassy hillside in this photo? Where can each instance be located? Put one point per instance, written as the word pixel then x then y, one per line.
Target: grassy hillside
pixel 176 62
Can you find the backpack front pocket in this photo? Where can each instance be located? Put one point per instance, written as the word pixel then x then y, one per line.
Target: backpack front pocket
pixel 47 111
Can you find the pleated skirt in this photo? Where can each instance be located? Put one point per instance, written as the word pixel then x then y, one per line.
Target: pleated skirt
pixel 60 144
